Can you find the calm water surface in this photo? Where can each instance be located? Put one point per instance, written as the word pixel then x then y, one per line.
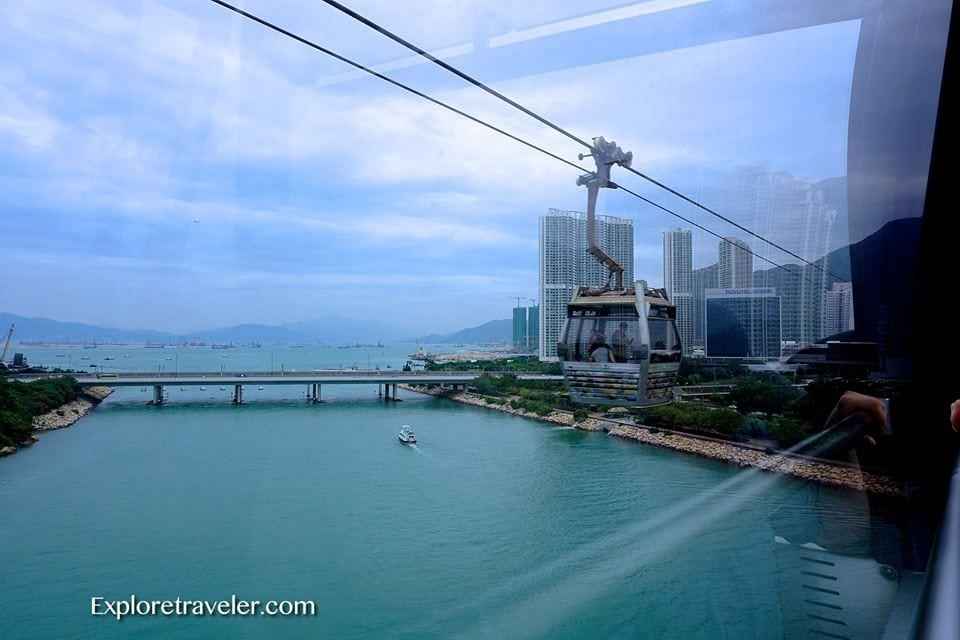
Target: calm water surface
pixel 493 526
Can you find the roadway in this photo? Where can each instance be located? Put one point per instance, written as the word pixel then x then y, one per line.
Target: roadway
pixel 140 379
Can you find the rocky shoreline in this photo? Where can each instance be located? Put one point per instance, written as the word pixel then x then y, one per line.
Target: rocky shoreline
pixel 559 418
pixel 836 475
pixel 63 416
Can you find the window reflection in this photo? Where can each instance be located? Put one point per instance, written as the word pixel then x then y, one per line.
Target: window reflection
pixel 610 335
pixel 663 336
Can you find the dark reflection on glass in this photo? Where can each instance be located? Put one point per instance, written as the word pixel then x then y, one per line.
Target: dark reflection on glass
pixel 609 335
pixel 663 335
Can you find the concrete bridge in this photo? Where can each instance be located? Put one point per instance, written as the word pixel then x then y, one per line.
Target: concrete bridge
pixel 386 380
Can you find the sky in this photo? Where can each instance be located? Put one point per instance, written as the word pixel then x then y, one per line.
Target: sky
pixel 168 165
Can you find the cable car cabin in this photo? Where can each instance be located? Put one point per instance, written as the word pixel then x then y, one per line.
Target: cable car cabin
pixel 618 348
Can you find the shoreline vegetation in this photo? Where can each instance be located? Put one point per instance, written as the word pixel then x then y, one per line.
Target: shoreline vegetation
pixel 470 361
pixel 835 474
pixel 28 408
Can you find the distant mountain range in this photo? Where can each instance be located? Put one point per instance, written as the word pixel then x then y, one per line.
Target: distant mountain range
pixel 493 331
pixel 836 263
pixel 327 331
pixel 332 330
pixel 53 330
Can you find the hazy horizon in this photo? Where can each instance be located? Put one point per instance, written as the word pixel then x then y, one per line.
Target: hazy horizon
pixel 373 332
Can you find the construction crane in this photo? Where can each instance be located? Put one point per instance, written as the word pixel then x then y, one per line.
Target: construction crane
pixel 6 345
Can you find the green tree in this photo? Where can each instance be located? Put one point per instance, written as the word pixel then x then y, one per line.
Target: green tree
pixel 21 401
pixel 690 417
pixel 769 395
pixel 786 430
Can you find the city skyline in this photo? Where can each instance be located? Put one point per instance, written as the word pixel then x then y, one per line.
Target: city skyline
pixel 811 303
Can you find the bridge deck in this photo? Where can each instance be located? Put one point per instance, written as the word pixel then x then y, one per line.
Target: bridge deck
pixel 141 379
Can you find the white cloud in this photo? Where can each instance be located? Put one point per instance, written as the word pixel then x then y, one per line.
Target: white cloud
pixel 25 119
pixel 359 228
pixel 229 276
pixel 224 97
pixel 176 110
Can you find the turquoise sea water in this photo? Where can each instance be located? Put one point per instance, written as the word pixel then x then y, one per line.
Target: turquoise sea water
pixel 493 526
pixel 111 359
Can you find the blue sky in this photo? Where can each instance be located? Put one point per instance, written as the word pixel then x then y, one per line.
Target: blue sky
pixel 168 165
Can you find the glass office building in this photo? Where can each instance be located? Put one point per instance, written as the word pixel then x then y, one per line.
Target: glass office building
pixel 743 323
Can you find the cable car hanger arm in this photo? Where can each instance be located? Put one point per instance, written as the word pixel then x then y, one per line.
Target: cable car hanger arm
pixel 605 155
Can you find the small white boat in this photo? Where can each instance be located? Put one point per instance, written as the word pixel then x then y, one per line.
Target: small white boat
pixel 406 435
pixel 260 388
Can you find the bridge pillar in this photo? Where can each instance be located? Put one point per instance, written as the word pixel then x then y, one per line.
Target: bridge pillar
pixel 157 394
pixel 389 392
pixel 237 394
pixel 319 394
pixel 379 390
pixel 313 393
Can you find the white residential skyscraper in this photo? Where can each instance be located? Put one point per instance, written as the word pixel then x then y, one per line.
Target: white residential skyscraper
pixel 838 309
pixel 677 280
pixel 735 266
pixel 677 261
pixel 566 265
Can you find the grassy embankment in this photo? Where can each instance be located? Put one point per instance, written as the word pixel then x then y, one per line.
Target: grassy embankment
pixel 21 401
pixel 520 364
pixel 760 407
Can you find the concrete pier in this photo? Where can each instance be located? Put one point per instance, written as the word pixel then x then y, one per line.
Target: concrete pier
pixel 389 392
pixel 314 393
pixel 157 394
pixel 238 394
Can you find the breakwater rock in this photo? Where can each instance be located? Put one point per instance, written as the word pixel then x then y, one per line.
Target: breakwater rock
pixel 65 415
pixel 837 475
pixel 560 418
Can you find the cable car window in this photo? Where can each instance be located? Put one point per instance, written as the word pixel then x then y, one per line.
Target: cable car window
pixel 607 335
pixel 661 311
pixel 663 335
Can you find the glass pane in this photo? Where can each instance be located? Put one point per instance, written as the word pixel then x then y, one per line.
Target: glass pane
pixel 210 217
pixel 608 334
